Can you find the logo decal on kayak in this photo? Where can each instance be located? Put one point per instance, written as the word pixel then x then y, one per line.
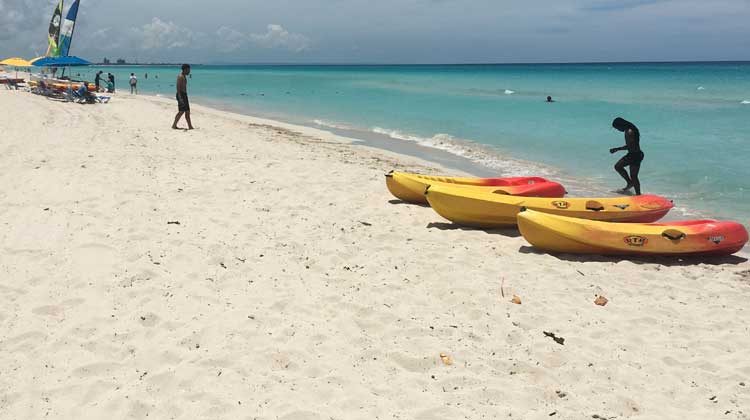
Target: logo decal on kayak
pixel 562 205
pixel 638 241
pixel 716 239
pixel 622 206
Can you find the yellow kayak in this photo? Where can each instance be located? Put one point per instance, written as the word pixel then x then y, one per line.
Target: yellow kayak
pixel 485 209
pixel 693 237
pixel 411 187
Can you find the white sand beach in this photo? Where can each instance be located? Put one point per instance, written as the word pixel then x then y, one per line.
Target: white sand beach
pixel 256 270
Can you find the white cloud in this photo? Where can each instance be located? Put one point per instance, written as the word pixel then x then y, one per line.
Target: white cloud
pixel 277 36
pixel 162 35
pixel 230 40
pixel 22 26
pixel 391 30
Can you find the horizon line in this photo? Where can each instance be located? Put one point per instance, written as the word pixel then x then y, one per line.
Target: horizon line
pixel 322 63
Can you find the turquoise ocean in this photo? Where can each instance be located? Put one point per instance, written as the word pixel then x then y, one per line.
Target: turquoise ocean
pixel 694 118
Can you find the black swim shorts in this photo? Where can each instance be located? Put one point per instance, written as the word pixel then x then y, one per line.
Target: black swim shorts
pixel 633 158
pixel 183 104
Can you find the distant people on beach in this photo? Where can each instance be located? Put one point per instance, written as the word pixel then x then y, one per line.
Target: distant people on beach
pixel 183 104
pixel 98 80
pixel 111 85
pixel 549 99
pixel 633 158
pixel 133 84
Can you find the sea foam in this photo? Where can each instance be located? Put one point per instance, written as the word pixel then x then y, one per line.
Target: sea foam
pixel 324 123
pixel 483 155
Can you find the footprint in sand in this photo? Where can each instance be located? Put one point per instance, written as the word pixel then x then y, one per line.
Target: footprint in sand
pixel 148 320
pixel 57 310
pixel 95 260
pixel 30 339
pixel 301 415
pixel 49 310
pixel 412 364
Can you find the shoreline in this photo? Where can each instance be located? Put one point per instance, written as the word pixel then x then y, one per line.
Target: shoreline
pixel 427 157
pixel 465 158
pixel 459 158
pixel 698 193
pixel 262 270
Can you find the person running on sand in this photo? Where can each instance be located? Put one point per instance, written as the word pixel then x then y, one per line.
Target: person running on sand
pixel 183 104
pixel 633 158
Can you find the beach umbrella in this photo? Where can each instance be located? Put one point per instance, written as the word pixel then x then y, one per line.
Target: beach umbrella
pixel 66 61
pixel 16 62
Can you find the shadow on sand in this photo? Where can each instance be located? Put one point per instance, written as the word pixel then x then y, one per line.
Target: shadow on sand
pixel 509 232
pixel 673 261
pixel 401 202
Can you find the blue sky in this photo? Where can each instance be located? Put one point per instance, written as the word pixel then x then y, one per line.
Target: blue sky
pixel 390 31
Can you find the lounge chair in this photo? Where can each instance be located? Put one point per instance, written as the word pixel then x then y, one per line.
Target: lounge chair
pixel 43 89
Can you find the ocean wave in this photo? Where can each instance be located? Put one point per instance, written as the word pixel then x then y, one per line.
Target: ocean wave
pixel 324 123
pixel 701 88
pixel 490 92
pixel 502 165
pixel 745 102
pixel 485 156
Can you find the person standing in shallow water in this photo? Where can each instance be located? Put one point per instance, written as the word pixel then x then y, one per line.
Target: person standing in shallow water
pixel 633 158
pixel 98 80
pixel 183 104
pixel 133 84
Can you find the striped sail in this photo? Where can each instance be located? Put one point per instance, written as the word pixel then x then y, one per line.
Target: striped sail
pixel 68 26
pixel 54 31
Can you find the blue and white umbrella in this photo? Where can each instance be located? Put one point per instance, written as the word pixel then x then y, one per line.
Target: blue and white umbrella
pixel 66 61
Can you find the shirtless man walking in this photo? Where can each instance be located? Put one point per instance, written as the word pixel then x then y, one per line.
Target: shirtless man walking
pixel 183 104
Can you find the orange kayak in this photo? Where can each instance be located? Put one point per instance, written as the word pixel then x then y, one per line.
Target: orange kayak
pixel 485 209
pixel 556 233
pixel 410 187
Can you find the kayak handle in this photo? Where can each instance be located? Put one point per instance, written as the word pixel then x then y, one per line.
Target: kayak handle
pixel 674 235
pixel 389 174
pixel 594 206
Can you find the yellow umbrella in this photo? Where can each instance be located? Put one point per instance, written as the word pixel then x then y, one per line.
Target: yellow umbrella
pixel 15 62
